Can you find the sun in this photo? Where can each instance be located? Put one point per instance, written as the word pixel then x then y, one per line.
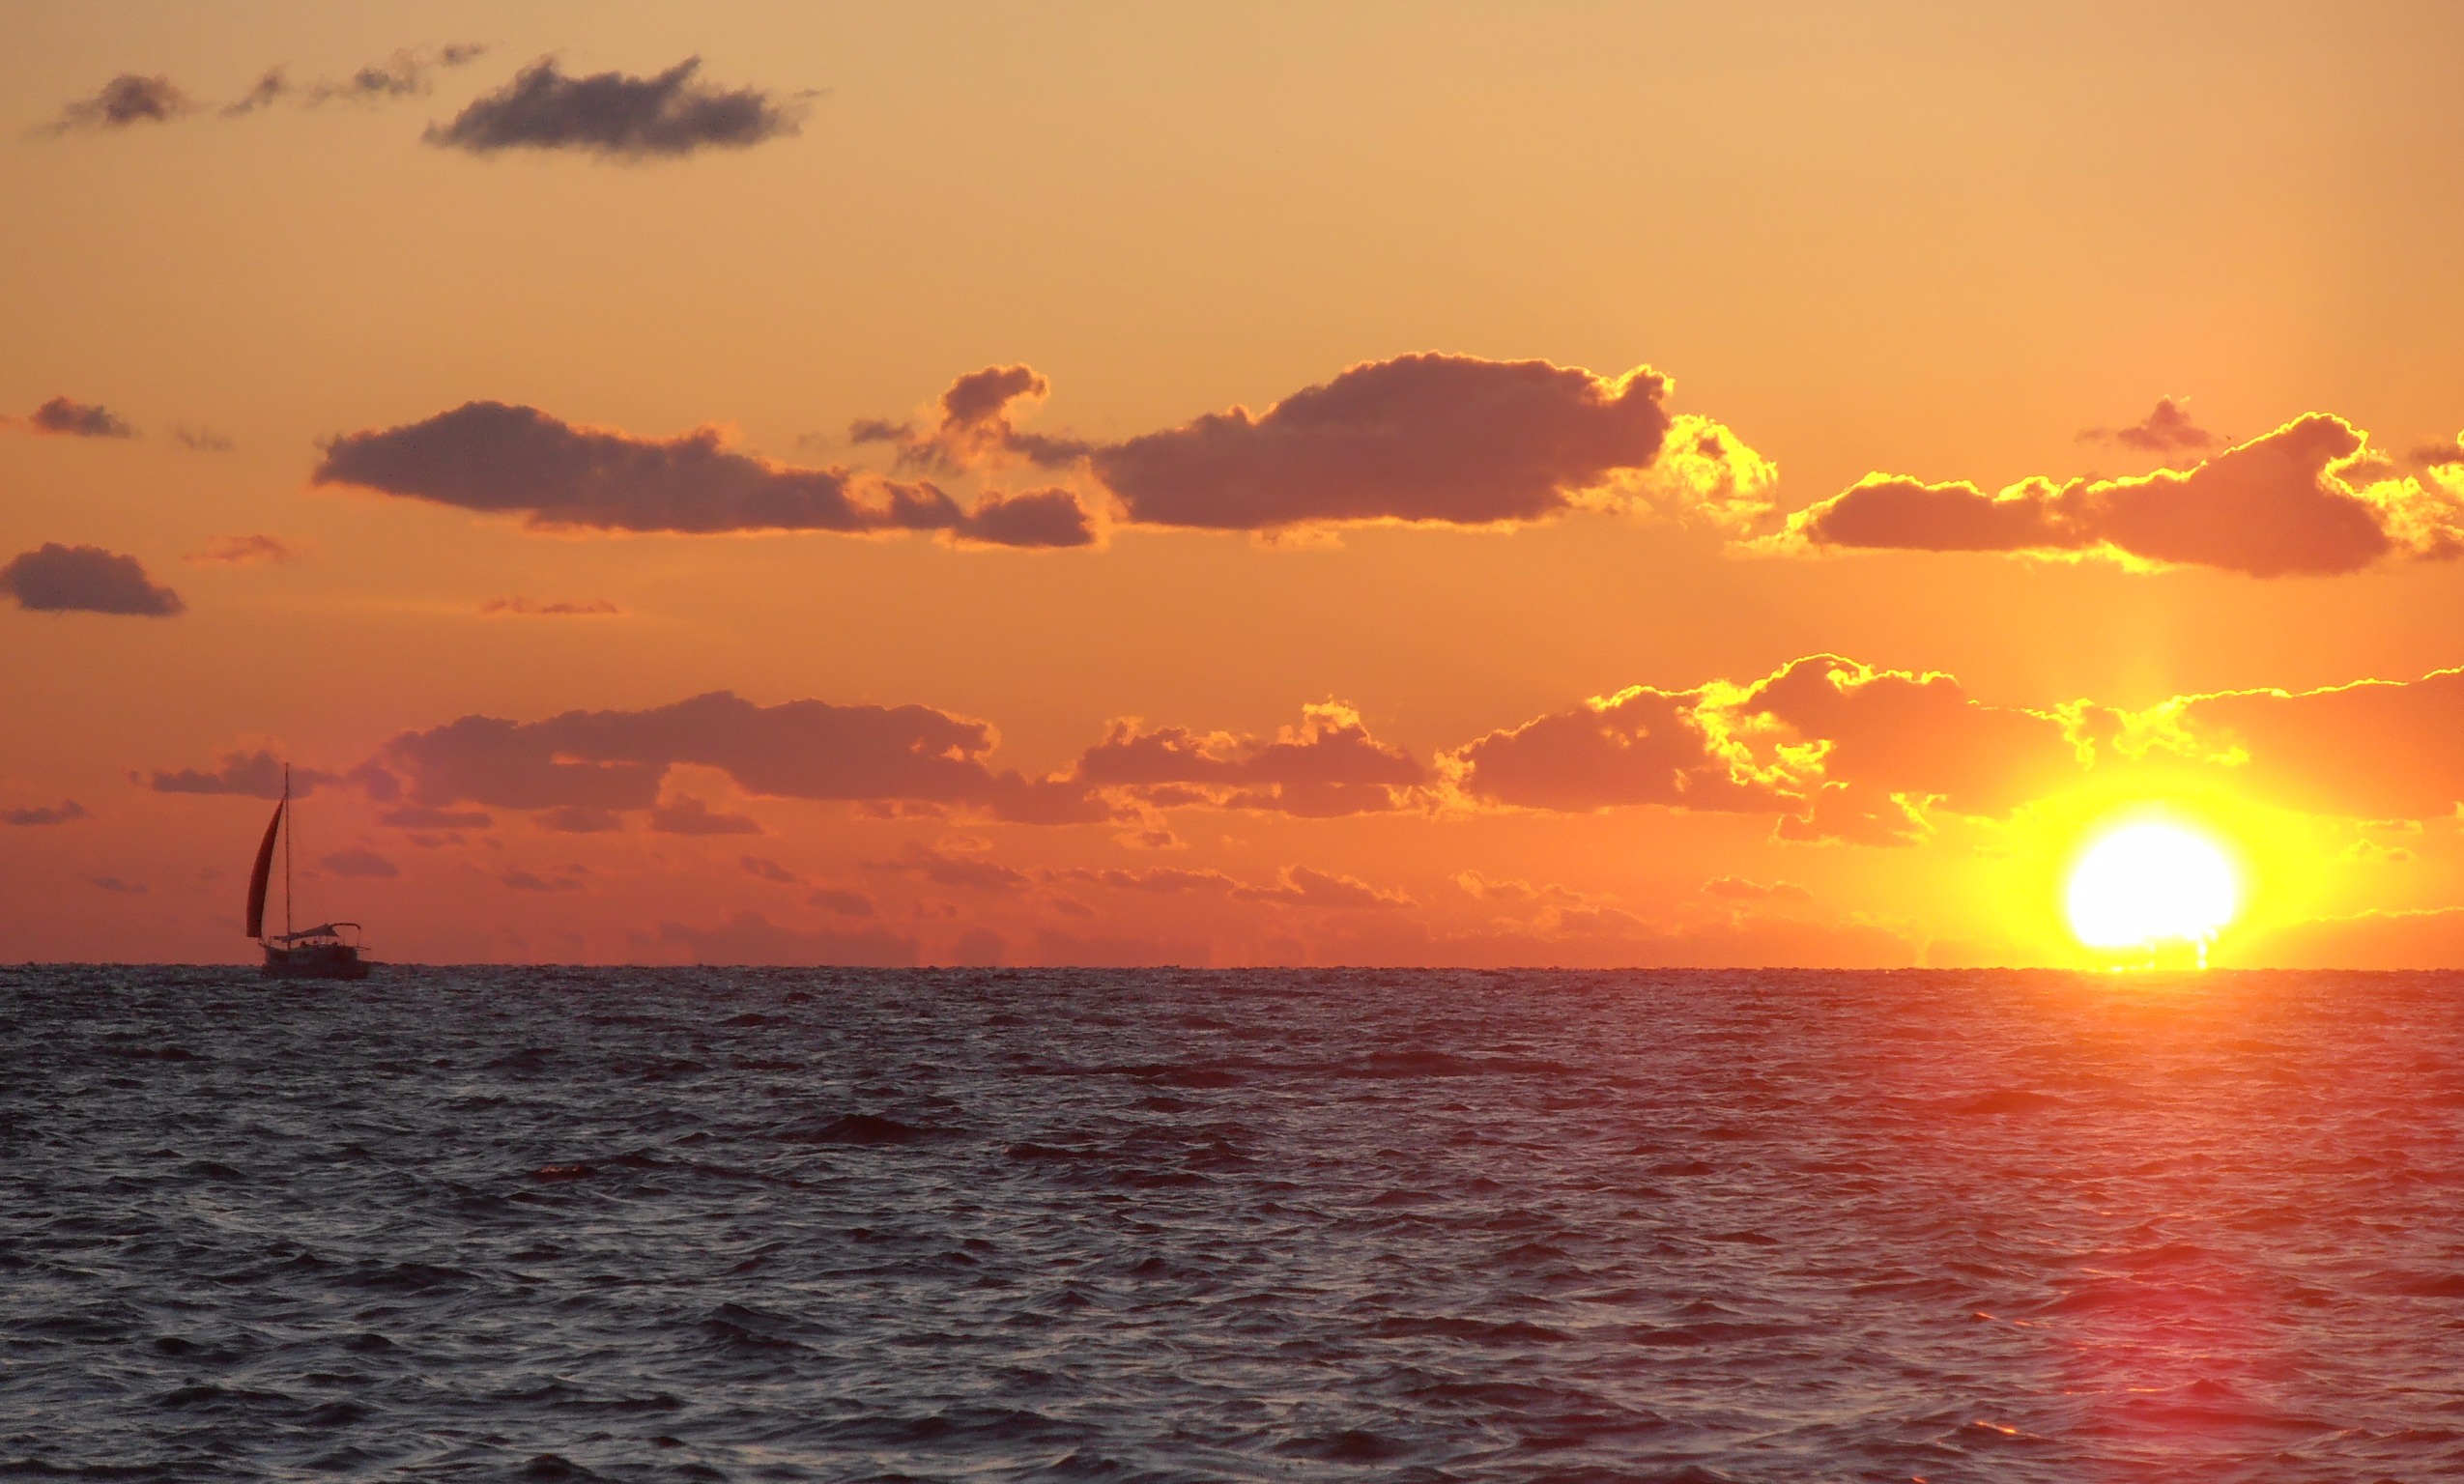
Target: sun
pixel 2149 884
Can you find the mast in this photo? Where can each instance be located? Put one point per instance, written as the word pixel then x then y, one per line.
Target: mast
pixel 286 852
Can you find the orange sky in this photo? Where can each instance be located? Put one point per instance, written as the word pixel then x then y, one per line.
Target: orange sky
pixel 476 339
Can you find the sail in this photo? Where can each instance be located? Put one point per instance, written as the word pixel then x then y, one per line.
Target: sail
pixel 257 873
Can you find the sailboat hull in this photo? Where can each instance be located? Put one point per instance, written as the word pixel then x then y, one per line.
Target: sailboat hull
pixel 313 961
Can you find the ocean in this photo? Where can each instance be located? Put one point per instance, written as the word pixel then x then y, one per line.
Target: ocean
pixel 1160 1225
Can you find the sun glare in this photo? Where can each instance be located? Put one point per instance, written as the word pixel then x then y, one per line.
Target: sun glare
pixel 2150 884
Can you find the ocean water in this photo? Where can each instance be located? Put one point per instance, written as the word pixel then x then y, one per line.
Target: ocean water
pixel 1121 1225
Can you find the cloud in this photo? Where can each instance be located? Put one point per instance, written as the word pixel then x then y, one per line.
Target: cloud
pixel 62 812
pixel 610 114
pixel 942 869
pixel 763 868
pixel 1520 893
pixel 359 861
pixel 1739 889
pixel 404 75
pixel 241 551
pixel 839 900
pixel 976 428
pixel 115 884
pixel 65 417
pixel 574 608
pixel 201 439
pixel 564 878
pixel 1327 766
pixel 56 579
pixel 1295 886
pixel 2283 504
pixel 1846 751
pixel 751 938
pixel 126 100
pixel 798 749
pixel 415 818
pixel 1452 440
pixel 2166 430
pixel 499 459
pixel 256 775
pixel 1049 518
pixel 1639 746
pixel 1164 880
pixel 2438 455
pixel 579 819
pixel 1301 887
pixel 690 816
pixel 2369 750
pixel 2431 939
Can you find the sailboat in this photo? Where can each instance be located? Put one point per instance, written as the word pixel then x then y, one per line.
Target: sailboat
pixel 327 950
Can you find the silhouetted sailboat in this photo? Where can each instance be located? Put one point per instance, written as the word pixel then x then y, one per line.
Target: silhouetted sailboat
pixel 320 952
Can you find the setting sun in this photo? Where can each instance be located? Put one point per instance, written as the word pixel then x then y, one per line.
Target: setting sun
pixel 2150 883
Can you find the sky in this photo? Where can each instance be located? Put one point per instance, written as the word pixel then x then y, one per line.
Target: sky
pixel 1584 485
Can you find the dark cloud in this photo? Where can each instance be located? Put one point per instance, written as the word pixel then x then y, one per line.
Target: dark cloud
pixel 1428 437
pixel 618 116
pixel 1301 887
pixel 359 861
pixel 799 749
pixel 976 428
pixel 565 879
pixel 56 579
pixel 839 900
pixel 256 775
pixel 417 817
pixel 1327 766
pixel 65 417
pixel 1640 746
pixel 1031 518
pixel 201 439
pixel 47 814
pixel 239 551
pixel 2166 430
pixel 764 869
pixel 689 815
pixel 404 75
pixel 495 458
pixel 579 819
pixel 115 884
pixel 1296 886
pixel 2438 455
pixel 1162 880
pixel 270 88
pixel 943 869
pixel 126 100
pixel 2302 499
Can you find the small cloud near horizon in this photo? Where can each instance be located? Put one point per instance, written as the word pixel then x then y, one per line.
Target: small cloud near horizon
pixel 241 551
pixel 529 607
pixel 56 579
pixel 126 100
pixel 2167 429
pixel 62 812
pixel 66 418
pixel 618 116
pixel 404 75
